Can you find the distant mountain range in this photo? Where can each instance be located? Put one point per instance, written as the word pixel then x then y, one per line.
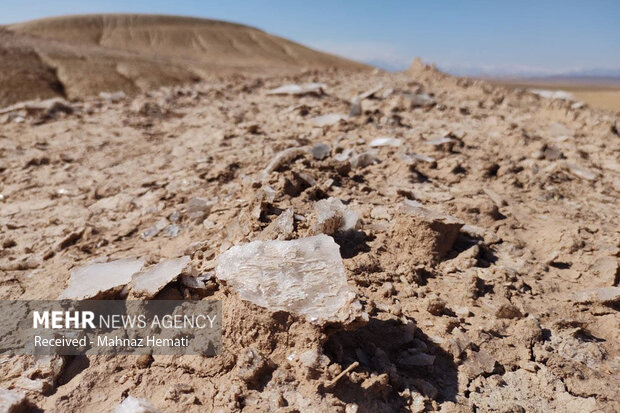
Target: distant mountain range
pixel 518 72
pixel 591 75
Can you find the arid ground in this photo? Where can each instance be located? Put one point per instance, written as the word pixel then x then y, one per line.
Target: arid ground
pixel 599 94
pixel 485 256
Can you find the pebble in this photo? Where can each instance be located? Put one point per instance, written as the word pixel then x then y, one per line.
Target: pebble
pixel 320 151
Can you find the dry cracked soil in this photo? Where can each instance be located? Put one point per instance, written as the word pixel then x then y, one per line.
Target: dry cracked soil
pixel 485 257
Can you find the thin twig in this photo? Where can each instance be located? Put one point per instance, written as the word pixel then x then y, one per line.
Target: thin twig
pixel 341 375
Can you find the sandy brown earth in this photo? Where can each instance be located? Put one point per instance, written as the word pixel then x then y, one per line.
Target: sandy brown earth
pixel 493 316
pixel 78 56
pixel 599 93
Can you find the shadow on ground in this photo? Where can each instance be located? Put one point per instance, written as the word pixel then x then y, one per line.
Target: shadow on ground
pixel 383 349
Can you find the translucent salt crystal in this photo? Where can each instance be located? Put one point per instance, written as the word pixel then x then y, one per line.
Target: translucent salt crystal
pixel 293 89
pixel 198 282
pixel 386 141
pixel 581 172
pixel 91 280
pixel 439 141
pixel 284 157
pixel 305 276
pixel 332 216
pixel 344 155
pixel 113 96
pixel 135 405
pixel 329 119
pixel 356 107
pixel 412 158
pixel 148 283
pixel 172 230
pixel 155 229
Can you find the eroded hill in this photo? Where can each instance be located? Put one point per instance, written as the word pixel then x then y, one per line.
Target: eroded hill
pixel 79 56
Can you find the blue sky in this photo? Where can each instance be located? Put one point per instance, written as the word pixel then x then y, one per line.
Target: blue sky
pixel 466 37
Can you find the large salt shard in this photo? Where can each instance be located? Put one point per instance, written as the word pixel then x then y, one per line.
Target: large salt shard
pixel 148 283
pixel 305 276
pixel 94 279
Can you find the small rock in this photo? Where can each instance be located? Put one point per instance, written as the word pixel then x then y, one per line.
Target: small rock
pixel 387 289
pixel 280 228
pixel 552 153
pixel 462 312
pixel 148 109
pixel 351 408
pixel 320 151
pixel 198 209
pixel 436 306
pixel 508 311
pixel 313 359
pixel 478 362
pixel 364 159
pixel 143 361
pixel 481 233
pixel 356 107
pixel 250 365
pixel 155 229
